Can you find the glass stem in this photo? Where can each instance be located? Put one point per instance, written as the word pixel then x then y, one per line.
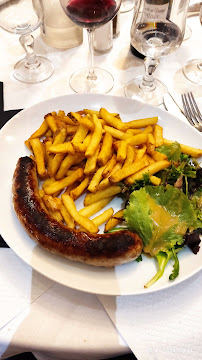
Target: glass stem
pixel 27 42
pixel 91 72
pixel 148 79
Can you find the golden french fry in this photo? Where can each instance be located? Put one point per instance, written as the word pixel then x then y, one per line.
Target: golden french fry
pixel 85 121
pixel 67 218
pixel 102 218
pixel 49 156
pixel 41 193
pixel 95 207
pixel 130 155
pixel 101 194
pixel 60 136
pixel 122 151
pixel 127 171
pixel 76 192
pixel 61 184
pixel 52 207
pixel 106 149
pixel 51 122
pixel 189 150
pixel 148 130
pixel 80 134
pixel 92 187
pixel 91 112
pixel 105 183
pixel 140 152
pixel 80 219
pixel 157 156
pixel 141 123
pixel 62 148
pixel 96 136
pixel 27 143
pixel 115 220
pixel 48 181
pixel 48 133
pixel 150 169
pixel 117 134
pixel 149 158
pixel 37 148
pixel 91 162
pixel 109 166
pixel 51 202
pixel 55 163
pixel 133 131
pixel 82 147
pixel 111 120
pixel 71 129
pixel 158 135
pixel 155 180
pixel 41 130
pixel 68 161
pixel 150 143
pixel 138 139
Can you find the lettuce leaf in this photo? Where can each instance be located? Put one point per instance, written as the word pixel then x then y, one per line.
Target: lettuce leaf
pixel 161 216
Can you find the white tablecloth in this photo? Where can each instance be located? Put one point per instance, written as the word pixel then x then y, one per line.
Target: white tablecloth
pixel 46 318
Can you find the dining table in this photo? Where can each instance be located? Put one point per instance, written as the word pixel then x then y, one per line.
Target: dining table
pixel 54 321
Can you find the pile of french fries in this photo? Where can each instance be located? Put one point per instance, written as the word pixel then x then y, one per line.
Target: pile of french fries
pixel 91 152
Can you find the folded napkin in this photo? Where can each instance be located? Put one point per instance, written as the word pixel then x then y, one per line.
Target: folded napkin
pixel 164 325
pixel 50 319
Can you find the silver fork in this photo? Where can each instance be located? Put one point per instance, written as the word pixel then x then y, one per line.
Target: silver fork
pixel 192 111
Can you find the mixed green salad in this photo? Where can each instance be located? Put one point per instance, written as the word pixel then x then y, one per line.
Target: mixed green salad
pixel 167 217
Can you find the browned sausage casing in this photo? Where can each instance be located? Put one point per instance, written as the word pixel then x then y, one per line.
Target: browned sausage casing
pixel 100 250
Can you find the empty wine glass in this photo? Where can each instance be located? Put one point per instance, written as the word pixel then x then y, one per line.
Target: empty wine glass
pixel 91 14
pixel 193 68
pixel 157 30
pixel 22 17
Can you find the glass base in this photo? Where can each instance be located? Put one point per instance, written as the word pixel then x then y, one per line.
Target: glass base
pixel 126 5
pixel 193 71
pixel 40 71
pixel 152 97
pixel 81 84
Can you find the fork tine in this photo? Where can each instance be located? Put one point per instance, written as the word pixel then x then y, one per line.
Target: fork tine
pixel 196 109
pixel 192 111
pixel 187 110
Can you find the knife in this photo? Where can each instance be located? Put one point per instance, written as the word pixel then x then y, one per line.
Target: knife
pixel 172 106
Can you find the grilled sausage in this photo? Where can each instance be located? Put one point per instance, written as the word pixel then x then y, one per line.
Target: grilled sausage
pixel 100 250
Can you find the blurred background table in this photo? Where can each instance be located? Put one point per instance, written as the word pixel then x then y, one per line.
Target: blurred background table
pixel 83 330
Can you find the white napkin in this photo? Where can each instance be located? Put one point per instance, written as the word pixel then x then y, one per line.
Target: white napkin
pixel 164 325
pixel 19 285
pixel 47 318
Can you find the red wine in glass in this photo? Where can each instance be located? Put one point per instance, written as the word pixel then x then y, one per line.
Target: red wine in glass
pixel 91 14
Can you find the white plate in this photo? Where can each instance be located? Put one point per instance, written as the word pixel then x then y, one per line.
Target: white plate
pixel 121 280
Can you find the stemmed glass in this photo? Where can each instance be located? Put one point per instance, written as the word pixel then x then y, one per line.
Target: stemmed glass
pixel 156 31
pixel 91 14
pixel 22 17
pixel 193 68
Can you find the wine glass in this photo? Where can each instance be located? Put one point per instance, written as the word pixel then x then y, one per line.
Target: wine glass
pixel 158 29
pixel 193 68
pixel 22 17
pixel 91 14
